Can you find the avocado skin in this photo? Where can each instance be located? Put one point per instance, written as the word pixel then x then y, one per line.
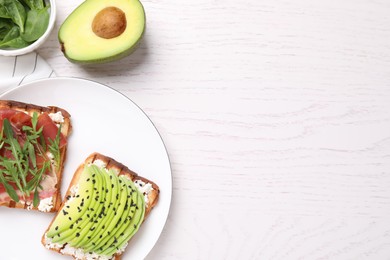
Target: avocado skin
pixel 113 58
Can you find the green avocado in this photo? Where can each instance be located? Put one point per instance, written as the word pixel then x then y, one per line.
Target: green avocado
pixel 74 232
pixel 106 212
pixel 116 235
pixel 74 208
pixel 95 213
pixel 128 229
pixel 100 31
pixel 95 233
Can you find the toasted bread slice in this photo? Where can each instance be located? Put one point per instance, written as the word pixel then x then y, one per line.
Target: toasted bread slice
pixel 90 230
pixel 49 190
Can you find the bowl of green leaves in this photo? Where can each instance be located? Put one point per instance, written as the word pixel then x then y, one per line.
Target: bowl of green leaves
pixel 25 25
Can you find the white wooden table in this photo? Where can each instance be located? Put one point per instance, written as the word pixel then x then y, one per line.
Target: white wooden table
pixel 276 117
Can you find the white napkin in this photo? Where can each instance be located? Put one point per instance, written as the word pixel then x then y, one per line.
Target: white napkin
pixel 18 70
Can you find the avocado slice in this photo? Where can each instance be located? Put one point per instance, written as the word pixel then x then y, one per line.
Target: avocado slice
pixel 100 31
pixel 98 225
pixel 92 195
pixel 116 219
pixel 74 208
pixel 112 211
pixel 95 215
pixel 112 240
pixel 129 227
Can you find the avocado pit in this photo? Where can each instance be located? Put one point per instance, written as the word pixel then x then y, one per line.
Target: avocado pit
pixel 109 23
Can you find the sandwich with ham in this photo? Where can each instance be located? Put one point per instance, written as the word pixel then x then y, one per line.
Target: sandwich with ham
pixel 33 143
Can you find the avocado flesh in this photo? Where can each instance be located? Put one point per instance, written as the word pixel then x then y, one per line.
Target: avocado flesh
pixel 111 242
pixel 70 213
pixel 127 231
pixel 96 226
pixel 81 45
pixel 92 217
pixel 108 230
pixel 93 194
pixel 116 219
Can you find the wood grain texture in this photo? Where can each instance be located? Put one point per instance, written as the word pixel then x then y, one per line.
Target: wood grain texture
pixel 276 117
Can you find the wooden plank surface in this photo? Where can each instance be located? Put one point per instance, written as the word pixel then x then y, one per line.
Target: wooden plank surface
pixel 276 117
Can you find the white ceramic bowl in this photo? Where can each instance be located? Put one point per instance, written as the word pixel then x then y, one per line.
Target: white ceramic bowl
pixel 37 43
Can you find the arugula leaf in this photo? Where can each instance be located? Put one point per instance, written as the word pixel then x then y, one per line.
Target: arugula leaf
pixel 9 189
pixel 36 198
pixel 54 148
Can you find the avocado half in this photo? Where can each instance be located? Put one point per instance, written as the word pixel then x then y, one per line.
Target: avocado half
pixel 100 31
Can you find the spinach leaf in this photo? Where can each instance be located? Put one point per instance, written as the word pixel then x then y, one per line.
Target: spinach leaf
pixel 3 12
pixel 36 24
pixel 5 26
pixel 35 4
pixel 13 39
pixel 17 12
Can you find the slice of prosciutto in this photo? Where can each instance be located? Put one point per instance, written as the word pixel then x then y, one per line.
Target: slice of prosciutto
pixel 18 120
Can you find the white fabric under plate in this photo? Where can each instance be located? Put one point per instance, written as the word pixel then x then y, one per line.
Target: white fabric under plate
pixel 18 70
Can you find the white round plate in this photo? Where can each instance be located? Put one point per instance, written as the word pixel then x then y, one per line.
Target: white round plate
pixel 104 121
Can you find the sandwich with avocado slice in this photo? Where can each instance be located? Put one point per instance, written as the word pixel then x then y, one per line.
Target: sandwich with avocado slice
pixel 104 206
